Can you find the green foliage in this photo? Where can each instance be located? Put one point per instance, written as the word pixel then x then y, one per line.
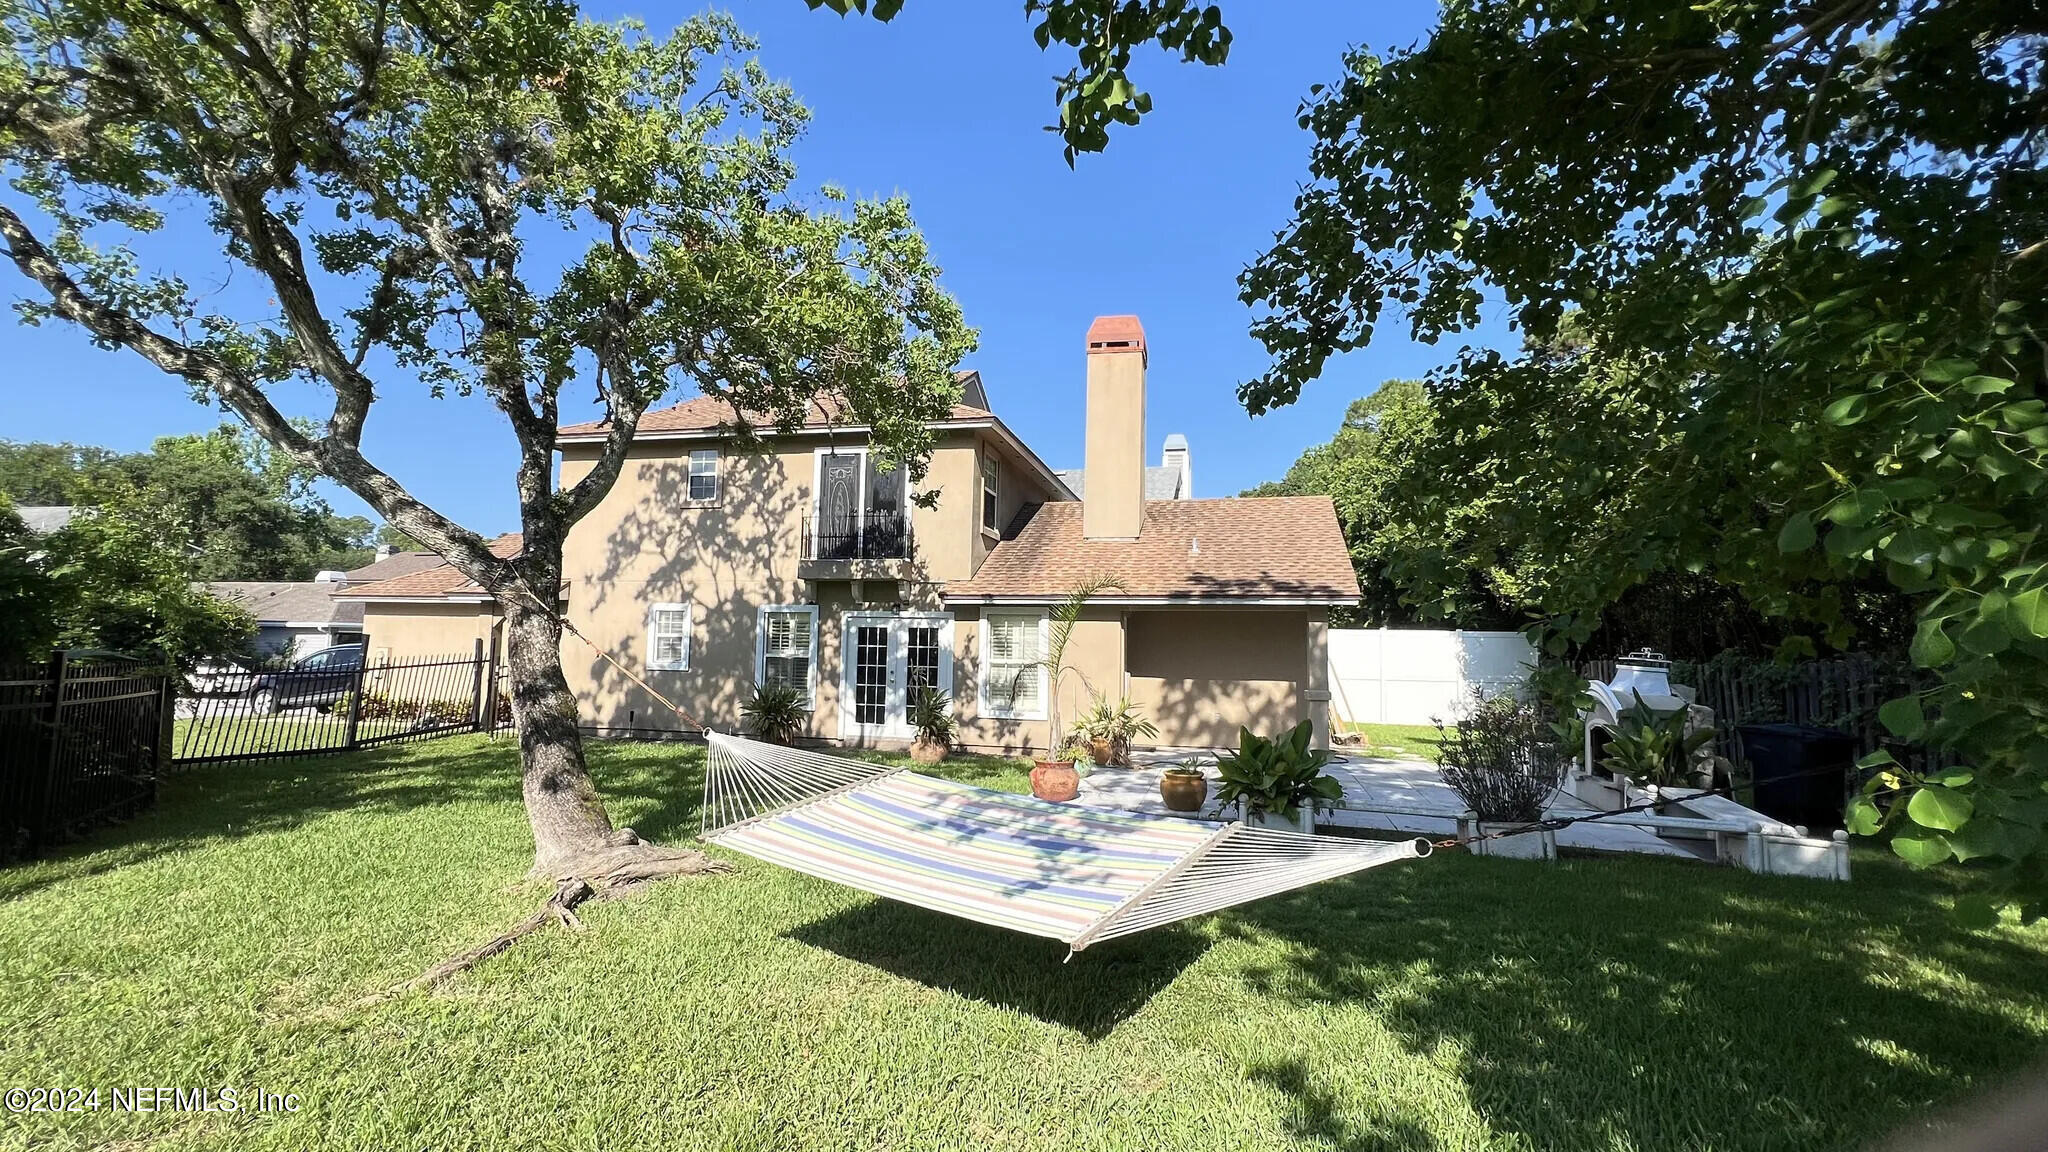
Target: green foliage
pixel 1277 775
pixel 1060 629
pixel 1098 92
pixel 1652 747
pixel 118 580
pixel 775 713
pixel 244 511
pixel 1802 250
pixel 1502 759
pixel 30 599
pixel 931 717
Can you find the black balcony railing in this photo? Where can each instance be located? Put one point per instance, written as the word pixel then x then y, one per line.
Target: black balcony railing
pixel 869 536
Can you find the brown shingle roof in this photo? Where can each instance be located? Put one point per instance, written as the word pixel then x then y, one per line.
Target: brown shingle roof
pixel 281 601
pixel 1279 547
pixel 441 580
pixel 705 413
pixel 396 564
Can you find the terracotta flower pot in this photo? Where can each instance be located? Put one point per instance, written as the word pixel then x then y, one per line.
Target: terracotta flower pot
pixel 1055 780
pixel 927 751
pixel 1183 791
pixel 1101 751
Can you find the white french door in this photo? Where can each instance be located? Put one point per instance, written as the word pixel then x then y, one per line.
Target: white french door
pixel 887 659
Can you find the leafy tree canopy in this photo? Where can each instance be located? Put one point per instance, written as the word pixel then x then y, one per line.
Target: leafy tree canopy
pixel 244 511
pixel 493 197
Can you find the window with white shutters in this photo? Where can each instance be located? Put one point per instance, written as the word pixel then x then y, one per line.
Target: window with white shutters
pixel 787 642
pixel 668 637
pixel 1013 677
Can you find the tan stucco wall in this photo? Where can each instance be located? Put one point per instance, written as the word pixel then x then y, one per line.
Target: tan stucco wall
pixel 645 543
pixel 408 632
pixel 1200 673
pixel 1094 653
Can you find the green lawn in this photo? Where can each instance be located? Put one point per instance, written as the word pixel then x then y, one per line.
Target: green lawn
pixel 1451 1003
pixel 1417 740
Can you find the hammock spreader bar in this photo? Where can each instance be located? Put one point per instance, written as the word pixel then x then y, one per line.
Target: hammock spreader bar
pixel 1076 874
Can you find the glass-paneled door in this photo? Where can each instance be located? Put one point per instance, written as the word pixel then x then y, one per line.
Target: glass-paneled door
pixel 890 657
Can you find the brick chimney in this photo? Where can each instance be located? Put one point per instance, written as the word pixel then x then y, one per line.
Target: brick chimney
pixel 1113 480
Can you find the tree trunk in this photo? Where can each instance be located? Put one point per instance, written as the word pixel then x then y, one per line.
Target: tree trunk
pixel 562 803
pixel 573 837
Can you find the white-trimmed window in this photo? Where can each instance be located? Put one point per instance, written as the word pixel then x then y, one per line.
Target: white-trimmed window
pixel 704 476
pixel 991 474
pixel 786 647
pixel 668 638
pixel 1012 669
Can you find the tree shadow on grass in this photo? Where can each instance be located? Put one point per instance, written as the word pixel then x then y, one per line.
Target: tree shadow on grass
pixel 1651 1004
pixel 1101 988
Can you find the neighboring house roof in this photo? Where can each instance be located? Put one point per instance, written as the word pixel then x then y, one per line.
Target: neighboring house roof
pixel 305 603
pixel 1162 482
pixel 1279 548
pixel 43 519
pixel 440 582
pixel 396 564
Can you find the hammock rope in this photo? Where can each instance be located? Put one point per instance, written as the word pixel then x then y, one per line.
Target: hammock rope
pixel 1079 875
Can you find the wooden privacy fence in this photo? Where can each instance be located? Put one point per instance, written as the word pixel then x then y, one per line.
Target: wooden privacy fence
pixel 1843 693
pixel 82 740
pixel 310 711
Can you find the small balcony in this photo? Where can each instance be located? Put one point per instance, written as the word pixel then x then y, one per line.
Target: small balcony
pixel 874 545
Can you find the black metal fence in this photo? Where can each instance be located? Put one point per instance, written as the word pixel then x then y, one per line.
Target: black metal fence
pixel 82 739
pixel 870 535
pixel 301 711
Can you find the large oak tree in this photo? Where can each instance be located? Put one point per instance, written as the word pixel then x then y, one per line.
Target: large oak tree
pixel 473 196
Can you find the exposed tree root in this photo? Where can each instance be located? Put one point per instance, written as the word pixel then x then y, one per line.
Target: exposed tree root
pixel 622 863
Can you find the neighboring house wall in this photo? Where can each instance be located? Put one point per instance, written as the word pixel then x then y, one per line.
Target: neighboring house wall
pixel 402 633
pixel 272 639
pixel 1415 676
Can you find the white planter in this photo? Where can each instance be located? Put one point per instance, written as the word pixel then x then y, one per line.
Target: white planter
pixel 1304 821
pixel 1536 845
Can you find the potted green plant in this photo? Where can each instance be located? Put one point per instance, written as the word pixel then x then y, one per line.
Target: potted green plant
pixel 931 717
pixel 1058 779
pixel 1183 786
pixel 1505 763
pixel 1277 783
pixel 775 713
pixel 1653 750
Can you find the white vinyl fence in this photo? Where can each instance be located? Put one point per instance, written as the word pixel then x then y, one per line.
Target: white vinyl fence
pixel 1414 675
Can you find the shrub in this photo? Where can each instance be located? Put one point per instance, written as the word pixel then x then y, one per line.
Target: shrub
pixel 1503 760
pixel 775 714
pixel 1277 775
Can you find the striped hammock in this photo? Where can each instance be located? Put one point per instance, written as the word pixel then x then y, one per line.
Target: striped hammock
pixel 1077 874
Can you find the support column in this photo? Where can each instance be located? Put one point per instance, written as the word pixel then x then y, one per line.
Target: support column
pixel 1315 688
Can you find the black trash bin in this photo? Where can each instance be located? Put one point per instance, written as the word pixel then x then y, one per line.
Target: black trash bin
pixel 1800 772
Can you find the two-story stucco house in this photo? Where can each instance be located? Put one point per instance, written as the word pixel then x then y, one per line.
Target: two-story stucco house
pixel 708 570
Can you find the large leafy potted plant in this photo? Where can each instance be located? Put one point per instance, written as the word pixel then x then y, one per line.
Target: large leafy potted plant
pixel 1503 760
pixel 1653 750
pixel 1277 783
pixel 1059 779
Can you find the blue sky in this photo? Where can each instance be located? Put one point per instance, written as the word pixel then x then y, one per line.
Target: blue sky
pixel 946 105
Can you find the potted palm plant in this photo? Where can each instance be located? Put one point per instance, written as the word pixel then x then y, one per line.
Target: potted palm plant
pixel 775 713
pixel 1277 783
pixel 1059 779
pixel 931 717
pixel 1108 730
pixel 1504 762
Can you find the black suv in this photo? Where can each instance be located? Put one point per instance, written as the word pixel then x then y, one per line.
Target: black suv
pixel 322 678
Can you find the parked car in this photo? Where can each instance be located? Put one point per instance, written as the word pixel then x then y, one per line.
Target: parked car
pixel 219 676
pixel 322 678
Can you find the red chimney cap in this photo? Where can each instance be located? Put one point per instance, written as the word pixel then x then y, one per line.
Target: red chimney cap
pixel 1116 334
